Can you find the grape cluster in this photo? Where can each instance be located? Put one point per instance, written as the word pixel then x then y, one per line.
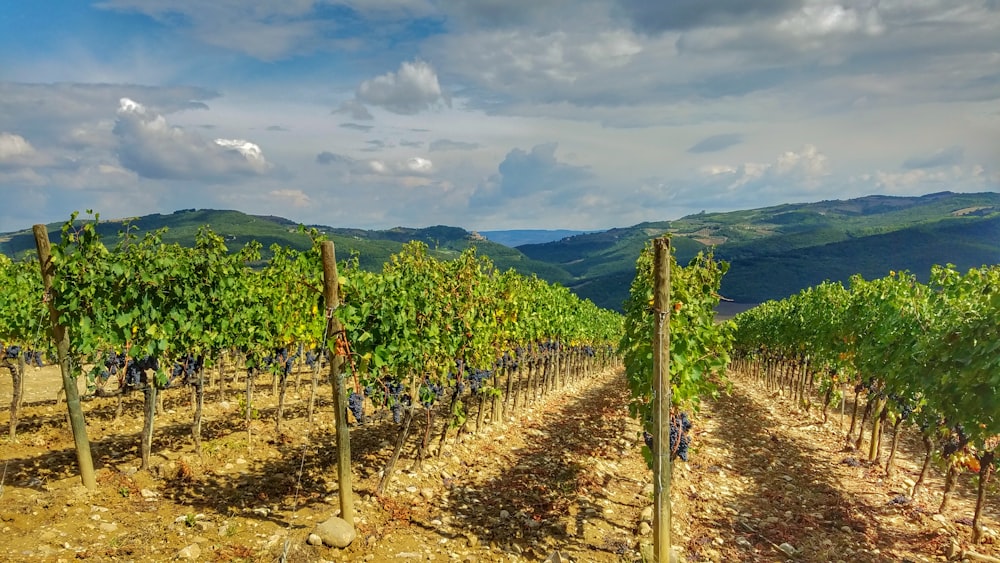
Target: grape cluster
pixel 282 358
pixel 956 441
pixel 549 346
pixel 680 438
pixel 507 361
pixel 903 405
pixel 313 356
pixel 135 368
pixel 430 392
pixel 455 377
pixel 356 404
pixel 12 352
pixel 477 378
pixel 396 400
pixel 186 367
pixel 34 356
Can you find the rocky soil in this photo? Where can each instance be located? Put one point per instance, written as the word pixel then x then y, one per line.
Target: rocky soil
pixel 561 480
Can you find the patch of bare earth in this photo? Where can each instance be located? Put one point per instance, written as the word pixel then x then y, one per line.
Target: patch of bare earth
pixel 765 473
pixel 563 474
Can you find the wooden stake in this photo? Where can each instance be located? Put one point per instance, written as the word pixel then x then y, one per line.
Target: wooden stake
pixel 61 337
pixel 661 400
pixel 331 297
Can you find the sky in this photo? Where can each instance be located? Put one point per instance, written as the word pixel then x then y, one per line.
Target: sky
pixel 490 114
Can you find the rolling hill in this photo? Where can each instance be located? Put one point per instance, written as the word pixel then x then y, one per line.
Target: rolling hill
pixel 773 251
pixel 373 248
pixel 777 251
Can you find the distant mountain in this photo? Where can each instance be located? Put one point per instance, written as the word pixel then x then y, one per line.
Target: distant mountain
pixel 777 251
pixel 373 248
pixel 518 237
pixel 773 251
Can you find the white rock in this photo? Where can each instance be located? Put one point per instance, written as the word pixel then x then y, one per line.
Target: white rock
pixel 336 532
pixel 647 514
pixel 314 539
pixel 788 548
pixel 191 552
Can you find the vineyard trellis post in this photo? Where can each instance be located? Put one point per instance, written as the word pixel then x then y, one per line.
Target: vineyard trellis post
pixel 334 328
pixel 77 423
pixel 661 399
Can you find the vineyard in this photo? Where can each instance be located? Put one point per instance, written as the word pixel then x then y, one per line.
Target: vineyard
pixel 197 403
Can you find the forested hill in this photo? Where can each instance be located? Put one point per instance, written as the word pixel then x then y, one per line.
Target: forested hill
pixel 774 251
pixel 777 251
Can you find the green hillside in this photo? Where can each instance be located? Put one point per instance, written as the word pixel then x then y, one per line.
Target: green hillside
pixel 966 243
pixel 774 251
pixel 779 250
pixel 373 248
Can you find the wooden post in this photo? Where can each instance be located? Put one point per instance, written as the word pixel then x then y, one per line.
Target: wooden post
pixel 331 297
pixel 61 338
pixel 661 400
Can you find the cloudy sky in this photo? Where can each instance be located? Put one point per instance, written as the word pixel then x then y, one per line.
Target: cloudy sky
pixel 490 114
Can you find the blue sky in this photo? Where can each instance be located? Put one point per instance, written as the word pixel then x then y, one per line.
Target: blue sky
pixel 490 114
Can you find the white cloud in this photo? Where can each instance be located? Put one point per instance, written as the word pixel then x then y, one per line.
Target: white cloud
pixel 793 174
pixel 356 110
pixel 412 166
pixel 821 17
pixel 530 173
pixel 931 179
pixel 412 89
pixel 154 149
pixel 806 166
pixel 295 198
pixel 15 150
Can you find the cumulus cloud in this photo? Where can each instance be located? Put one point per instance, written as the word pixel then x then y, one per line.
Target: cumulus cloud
pixel 523 172
pixel 355 109
pixel 410 90
pixel 974 177
pixel 52 113
pixel 821 17
pixel 295 198
pixel 413 166
pixel 154 149
pixel 716 143
pixel 792 171
pixel 526 174
pixel 449 145
pixel 945 157
pixel 16 150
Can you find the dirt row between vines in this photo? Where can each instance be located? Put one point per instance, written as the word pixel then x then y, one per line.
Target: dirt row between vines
pixel 565 476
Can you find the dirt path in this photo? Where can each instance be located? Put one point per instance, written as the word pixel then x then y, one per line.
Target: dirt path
pixel 565 475
pixel 764 474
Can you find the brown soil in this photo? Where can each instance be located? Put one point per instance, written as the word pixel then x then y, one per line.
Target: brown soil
pixel 564 474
